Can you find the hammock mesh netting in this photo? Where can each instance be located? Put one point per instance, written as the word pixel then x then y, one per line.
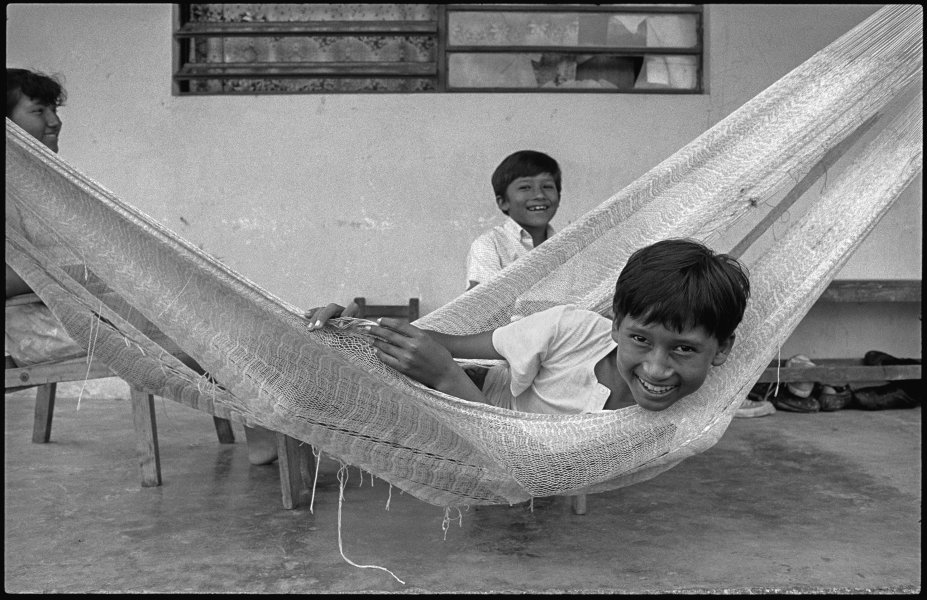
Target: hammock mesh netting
pixel 134 293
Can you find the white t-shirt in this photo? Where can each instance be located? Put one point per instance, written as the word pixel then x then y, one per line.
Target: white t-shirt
pixel 497 248
pixel 551 359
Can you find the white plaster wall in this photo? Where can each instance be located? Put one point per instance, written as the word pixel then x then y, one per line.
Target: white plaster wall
pixel 319 198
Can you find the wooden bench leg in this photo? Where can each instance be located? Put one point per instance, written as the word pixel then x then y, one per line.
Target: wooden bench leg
pixel 297 467
pixel 578 504
pixel 146 436
pixel 44 410
pixel 224 430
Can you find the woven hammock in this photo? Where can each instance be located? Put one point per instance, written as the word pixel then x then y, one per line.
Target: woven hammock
pixel 132 292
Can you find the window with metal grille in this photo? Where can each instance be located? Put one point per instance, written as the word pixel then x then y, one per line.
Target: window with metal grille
pixel 426 48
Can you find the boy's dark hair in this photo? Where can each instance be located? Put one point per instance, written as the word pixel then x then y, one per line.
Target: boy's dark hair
pixel 524 163
pixel 39 87
pixel 682 283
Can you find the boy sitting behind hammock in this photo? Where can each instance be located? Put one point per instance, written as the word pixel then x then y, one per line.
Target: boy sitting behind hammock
pixel 676 306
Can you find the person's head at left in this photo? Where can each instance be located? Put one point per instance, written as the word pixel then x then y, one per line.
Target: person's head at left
pixel 32 101
pixel 676 305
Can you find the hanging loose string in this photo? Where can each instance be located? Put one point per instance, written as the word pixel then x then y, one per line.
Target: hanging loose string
pixel 446 523
pixel 174 299
pixel 318 457
pixel 342 480
pixel 778 366
pixel 90 350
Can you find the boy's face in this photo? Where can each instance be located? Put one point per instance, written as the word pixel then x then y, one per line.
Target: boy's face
pixel 38 119
pixel 531 201
pixel 661 366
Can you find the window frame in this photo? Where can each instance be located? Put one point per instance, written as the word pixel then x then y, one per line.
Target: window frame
pixel 184 32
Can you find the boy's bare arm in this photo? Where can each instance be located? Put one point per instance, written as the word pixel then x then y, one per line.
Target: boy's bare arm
pixel 474 346
pixel 428 357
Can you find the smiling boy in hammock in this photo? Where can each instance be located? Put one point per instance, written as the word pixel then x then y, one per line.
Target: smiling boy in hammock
pixel 676 306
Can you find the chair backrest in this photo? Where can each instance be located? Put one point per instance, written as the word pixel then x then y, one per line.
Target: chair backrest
pixel 399 311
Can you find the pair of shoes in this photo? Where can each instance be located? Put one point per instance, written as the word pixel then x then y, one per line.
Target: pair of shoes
pixel 754 408
pixel 835 398
pixel 801 389
pixel 891 395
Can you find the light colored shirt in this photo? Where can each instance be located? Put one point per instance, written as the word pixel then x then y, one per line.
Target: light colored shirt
pixel 497 248
pixel 32 334
pixel 551 359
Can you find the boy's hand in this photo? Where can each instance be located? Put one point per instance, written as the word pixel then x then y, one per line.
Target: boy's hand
pixel 415 353
pixel 411 351
pixel 319 315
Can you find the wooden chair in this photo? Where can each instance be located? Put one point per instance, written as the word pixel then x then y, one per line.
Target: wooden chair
pixel 399 311
pixel 295 459
pixel 46 376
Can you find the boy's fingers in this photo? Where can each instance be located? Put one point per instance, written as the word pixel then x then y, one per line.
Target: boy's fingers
pixel 317 316
pixel 385 351
pixel 351 310
pixel 397 325
pixel 385 335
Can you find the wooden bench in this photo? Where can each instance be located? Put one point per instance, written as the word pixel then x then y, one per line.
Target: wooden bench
pixel 842 371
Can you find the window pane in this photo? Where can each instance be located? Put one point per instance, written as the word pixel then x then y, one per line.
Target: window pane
pixel 310 85
pixel 377 48
pixel 668 72
pixel 246 13
pixel 281 48
pixel 547 70
pixel 571 29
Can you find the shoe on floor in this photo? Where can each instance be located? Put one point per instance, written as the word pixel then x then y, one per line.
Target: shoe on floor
pixel 802 389
pixel 912 387
pixel 834 398
pixel 754 408
pixel 875 357
pixel 890 395
pixel 786 400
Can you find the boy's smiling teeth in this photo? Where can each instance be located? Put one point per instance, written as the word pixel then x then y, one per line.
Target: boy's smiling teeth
pixel 656 389
pixel 538 208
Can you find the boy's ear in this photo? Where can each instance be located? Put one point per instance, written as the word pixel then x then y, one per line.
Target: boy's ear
pixel 503 203
pixel 724 349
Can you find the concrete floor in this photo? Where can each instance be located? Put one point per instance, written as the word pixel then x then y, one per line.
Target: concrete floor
pixel 827 502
